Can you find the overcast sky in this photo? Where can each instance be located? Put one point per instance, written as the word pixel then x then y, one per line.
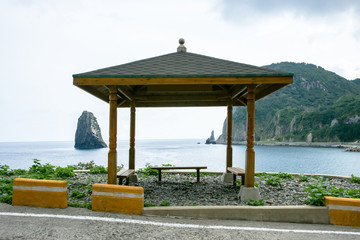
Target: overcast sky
pixel 44 42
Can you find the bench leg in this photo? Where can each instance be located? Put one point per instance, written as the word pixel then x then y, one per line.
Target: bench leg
pixel 120 181
pixel 159 175
pixel 198 175
pixel 127 181
pixel 243 179
pixel 234 179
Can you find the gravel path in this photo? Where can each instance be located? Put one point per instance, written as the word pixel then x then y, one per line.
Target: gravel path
pixel 183 190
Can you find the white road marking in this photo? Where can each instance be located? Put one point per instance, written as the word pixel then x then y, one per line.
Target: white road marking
pixel 176 225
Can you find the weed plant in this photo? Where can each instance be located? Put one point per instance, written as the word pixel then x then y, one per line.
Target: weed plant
pixel 252 202
pixel 284 175
pixel 320 189
pixel 274 181
pixel 355 179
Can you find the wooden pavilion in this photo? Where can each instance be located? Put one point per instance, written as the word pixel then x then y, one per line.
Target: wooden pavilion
pixel 182 79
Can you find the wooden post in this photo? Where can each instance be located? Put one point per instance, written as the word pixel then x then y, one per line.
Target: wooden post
pixel 229 136
pixel 112 136
pixel 250 153
pixel 132 137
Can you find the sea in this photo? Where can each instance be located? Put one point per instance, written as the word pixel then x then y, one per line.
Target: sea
pixel 187 152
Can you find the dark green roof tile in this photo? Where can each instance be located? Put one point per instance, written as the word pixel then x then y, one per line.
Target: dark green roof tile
pixel 182 64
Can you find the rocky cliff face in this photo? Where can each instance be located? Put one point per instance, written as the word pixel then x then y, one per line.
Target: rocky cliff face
pixel 319 106
pixel 88 133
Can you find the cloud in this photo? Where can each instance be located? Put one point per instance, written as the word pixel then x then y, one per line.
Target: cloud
pixel 239 10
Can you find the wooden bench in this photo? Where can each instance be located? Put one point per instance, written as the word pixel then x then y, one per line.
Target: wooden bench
pixel 125 173
pixel 237 172
pixel 171 168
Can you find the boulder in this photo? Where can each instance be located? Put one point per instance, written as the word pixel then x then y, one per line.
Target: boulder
pixel 88 133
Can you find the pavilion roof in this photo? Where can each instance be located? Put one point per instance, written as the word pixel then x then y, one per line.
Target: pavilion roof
pixel 182 64
pixel 182 79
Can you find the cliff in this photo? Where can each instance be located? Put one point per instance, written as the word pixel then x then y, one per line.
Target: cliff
pixel 319 106
pixel 88 133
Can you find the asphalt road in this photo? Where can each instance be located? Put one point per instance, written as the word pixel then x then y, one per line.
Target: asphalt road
pixel 75 223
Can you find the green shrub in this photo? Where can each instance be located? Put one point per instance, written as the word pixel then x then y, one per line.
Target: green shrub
pixel 147 204
pixel 164 203
pixel 355 179
pixel 6 187
pixel 64 172
pixel 77 194
pixel 303 178
pixel 319 190
pixel 274 181
pixel 80 205
pixel 86 165
pixel 259 202
pixel 261 174
pixel 98 170
pixel 5 170
pixel 147 171
pixel 284 175
pixel 41 170
pixel 19 171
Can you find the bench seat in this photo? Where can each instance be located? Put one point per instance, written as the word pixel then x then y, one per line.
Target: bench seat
pixel 237 172
pixel 171 168
pixel 125 173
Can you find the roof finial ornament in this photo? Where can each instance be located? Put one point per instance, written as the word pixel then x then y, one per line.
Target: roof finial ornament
pixel 181 48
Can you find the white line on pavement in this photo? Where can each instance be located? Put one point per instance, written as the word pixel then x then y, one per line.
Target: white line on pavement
pixel 177 225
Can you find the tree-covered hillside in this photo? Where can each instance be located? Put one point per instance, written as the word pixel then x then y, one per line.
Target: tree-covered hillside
pixel 318 106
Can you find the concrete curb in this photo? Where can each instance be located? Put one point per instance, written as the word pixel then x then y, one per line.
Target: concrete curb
pixel 293 214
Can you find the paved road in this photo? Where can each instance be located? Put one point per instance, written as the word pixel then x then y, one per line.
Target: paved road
pixel 75 223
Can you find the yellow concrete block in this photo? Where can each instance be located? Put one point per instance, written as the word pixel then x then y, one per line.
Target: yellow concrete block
pixel 39 193
pixel 117 198
pixel 344 211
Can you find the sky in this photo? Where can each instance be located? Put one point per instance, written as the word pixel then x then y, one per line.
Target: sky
pixel 44 42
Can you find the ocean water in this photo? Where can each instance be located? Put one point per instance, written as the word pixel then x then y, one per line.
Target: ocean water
pixel 187 153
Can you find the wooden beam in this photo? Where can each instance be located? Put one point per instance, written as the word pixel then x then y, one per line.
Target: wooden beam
pixel 265 90
pixel 242 101
pixel 93 91
pixel 222 103
pixel 132 137
pixel 120 102
pixel 179 88
pixel 181 80
pixel 181 98
pixel 229 155
pixel 250 153
pixel 126 93
pixel 112 156
pixel 239 91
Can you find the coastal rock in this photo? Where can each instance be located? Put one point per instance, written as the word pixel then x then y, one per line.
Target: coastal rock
pixel 211 139
pixel 353 149
pixel 88 133
pixel 309 138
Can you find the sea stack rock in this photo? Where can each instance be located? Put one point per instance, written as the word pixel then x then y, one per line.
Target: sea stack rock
pixel 88 133
pixel 211 139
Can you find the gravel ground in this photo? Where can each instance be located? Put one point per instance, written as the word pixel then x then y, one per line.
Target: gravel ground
pixel 183 190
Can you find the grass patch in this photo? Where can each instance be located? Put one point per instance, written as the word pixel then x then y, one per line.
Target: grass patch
pixel 80 205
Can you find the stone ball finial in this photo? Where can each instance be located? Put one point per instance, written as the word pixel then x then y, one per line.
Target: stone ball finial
pixel 181 41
